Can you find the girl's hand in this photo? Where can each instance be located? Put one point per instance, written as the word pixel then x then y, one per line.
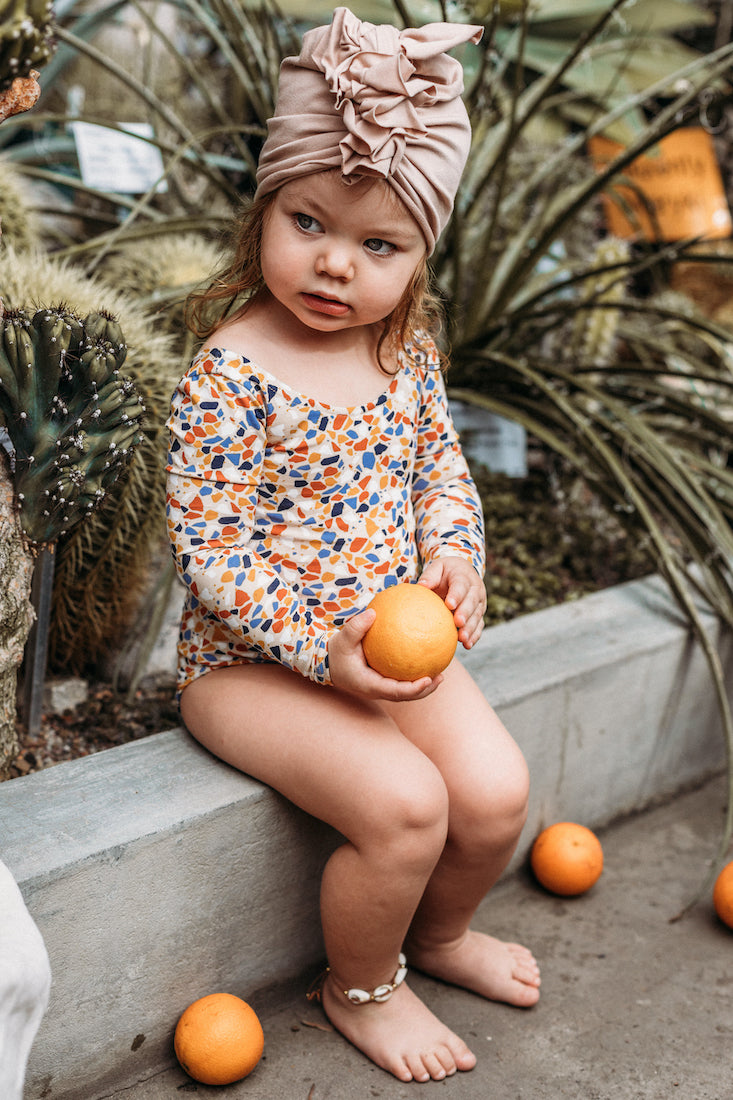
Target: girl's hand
pixel 459 585
pixel 350 671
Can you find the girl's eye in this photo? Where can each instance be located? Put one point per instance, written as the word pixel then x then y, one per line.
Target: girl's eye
pixel 378 246
pixel 307 223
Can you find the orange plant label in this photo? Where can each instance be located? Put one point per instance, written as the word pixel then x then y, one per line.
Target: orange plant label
pixel 675 191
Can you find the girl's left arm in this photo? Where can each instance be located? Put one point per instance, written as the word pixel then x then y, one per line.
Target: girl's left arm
pixel 448 514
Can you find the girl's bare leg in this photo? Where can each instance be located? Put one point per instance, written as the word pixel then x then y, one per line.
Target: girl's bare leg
pixel 344 761
pixel 487 782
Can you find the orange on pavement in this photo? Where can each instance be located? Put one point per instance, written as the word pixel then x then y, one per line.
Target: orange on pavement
pixel 567 858
pixel 218 1039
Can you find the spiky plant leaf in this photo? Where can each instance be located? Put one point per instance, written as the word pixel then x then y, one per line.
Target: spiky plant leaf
pixel 633 47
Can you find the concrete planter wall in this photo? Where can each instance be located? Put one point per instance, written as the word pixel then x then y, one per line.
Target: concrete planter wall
pixel 157 874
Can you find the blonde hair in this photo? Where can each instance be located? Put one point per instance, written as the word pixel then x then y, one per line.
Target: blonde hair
pixel 417 316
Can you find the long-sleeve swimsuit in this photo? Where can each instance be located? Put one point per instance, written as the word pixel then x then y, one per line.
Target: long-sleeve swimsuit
pixel 287 515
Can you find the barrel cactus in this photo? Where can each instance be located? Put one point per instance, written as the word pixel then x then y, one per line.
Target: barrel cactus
pixel 102 566
pixel 26 40
pixel 19 223
pixel 161 270
pixel 72 419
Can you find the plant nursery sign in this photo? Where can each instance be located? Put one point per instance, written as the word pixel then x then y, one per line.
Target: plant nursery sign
pixel 118 160
pixel 672 192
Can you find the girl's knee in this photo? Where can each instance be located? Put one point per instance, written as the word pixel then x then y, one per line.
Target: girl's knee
pixel 409 818
pixel 492 806
pixel 514 787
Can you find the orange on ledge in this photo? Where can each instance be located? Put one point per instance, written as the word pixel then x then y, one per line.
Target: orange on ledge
pixel 218 1039
pixel 567 858
pixel 723 895
pixel 413 634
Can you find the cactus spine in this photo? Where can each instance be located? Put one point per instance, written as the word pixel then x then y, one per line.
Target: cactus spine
pixel 72 419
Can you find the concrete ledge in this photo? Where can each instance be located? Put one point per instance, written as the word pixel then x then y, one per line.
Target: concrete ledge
pixel 157 874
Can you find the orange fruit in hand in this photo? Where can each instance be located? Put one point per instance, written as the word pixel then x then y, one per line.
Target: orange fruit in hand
pixel 723 895
pixel 218 1039
pixel 567 858
pixel 413 634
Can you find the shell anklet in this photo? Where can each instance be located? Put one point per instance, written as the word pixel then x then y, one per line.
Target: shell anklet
pixel 363 996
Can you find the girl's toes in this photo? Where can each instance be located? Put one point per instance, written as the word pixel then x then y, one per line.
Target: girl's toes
pixel 402 1072
pixel 418 1070
pixel 527 996
pixel 463 1058
pixel 435 1068
pixel 467 1061
pixel 529 974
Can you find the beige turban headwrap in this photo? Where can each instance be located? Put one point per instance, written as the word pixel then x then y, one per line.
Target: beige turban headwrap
pixel 375 101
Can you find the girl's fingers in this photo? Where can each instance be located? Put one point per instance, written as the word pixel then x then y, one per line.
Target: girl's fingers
pixel 355 629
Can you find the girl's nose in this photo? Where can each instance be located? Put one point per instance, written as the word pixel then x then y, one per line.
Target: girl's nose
pixel 336 260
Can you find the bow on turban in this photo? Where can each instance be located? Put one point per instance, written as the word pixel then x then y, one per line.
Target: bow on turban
pixel 374 101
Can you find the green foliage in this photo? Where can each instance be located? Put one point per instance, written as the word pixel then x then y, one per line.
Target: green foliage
pixel 627 47
pixel 25 37
pixel 73 420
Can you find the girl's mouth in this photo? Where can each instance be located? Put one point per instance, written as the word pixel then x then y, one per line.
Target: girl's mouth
pixel 331 306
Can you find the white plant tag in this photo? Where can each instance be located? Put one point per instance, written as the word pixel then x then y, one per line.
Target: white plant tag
pixel 111 160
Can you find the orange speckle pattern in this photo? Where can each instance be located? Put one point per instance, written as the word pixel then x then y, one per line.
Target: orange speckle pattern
pixel 286 515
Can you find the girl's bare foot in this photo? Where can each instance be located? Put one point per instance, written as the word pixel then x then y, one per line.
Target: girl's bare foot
pixel 494 969
pixel 400 1035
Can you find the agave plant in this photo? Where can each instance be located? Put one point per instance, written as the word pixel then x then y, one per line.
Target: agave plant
pixel 591 368
pixel 626 48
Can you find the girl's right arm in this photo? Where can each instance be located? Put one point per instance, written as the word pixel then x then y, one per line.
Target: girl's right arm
pixel 217 432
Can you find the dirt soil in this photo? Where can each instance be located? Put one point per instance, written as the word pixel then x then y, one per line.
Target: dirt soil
pixel 103 720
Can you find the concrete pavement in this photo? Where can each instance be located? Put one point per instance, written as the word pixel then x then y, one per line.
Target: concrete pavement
pixel 633 1007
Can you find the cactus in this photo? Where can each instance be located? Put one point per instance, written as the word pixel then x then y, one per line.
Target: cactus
pixel 72 419
pixel 161 271
pixel 19 223
pixel 103 565
pixel 25 37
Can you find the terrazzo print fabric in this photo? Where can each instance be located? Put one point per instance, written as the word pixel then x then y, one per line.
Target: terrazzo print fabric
pixel 287 516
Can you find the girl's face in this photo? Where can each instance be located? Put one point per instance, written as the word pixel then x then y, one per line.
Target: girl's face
pixel 339 256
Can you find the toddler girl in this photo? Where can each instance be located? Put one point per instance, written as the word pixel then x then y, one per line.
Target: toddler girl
pixel 312 463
